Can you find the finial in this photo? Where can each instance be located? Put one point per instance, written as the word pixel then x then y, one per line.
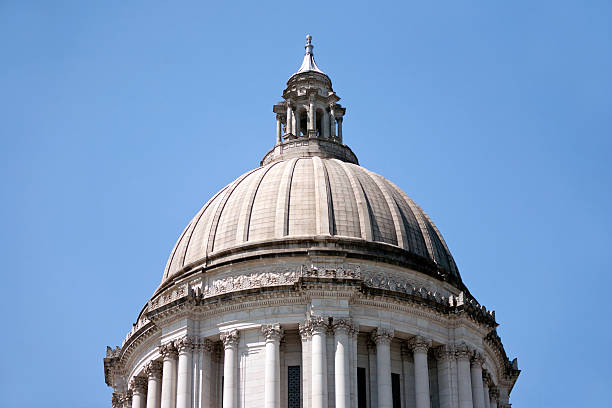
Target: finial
pixel 309 45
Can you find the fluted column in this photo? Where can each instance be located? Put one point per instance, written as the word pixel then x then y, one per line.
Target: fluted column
pixel 138 385
pixel 493 396
pixel 464 381
pixel 353 377
pixel 332 120
pixel 419 346
pixel 279 130
pixel 319 362
pixel 305 334
pixel 168 395
pixel 154 376
pixel 183 391
pixel 476 372
pixel 408 376
pixel 485 389
pixel 444 355
pixel 312 119
pixel 206 399
pixel 273 334
pixel 230 368
pixel 339 129
pixel 342 328
pixel 382 339
pixel 289 128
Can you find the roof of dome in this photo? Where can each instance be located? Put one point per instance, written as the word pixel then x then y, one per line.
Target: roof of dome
pixel 307 198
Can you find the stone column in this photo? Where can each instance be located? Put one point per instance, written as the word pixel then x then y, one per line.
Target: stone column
pixel 332 120
pixel 206 396
pixel 339 129
pixel 230 369
pixel 183 387
pixel 325 130
pixel 273 334
pixel 154 374
pixel 464 376
pixel 289 128
pixel 419 346
pixel 342 328
pixel 297 125
pixel 493 395
pixel 476 372
pixel 312 118
pixel 485 389
pixel 319 362
pixel 306 361
pixel 382 338
pixel 279 130
pixel 168 394
pixel 138 385
pixel 445 354
pixel 353 376
pixel 408 376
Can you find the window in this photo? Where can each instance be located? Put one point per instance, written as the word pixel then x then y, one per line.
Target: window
pixel 361 388
pixel 293 385
pixel 395 390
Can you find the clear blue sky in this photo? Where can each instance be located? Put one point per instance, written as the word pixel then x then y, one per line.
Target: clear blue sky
pixel 120 119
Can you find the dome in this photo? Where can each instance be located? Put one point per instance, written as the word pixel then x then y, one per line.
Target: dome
pixel 297 204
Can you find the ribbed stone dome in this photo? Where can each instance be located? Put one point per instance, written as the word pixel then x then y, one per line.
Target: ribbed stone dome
pixel 305 203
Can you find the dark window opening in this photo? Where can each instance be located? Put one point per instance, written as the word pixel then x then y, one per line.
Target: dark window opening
pixel 361 388
pixel 395 390
pixel 294 386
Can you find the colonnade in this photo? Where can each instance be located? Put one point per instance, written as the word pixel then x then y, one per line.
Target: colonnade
pixel 331 121
pixel 168 383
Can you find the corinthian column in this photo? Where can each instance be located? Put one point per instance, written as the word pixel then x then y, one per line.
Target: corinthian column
pixel 319 362
pixel 206 399
pixel 476 372
pixel 464 376
pixel 485 389
pixel 305 334
pixel 230 368
pixel 493 395
pixel 445 355
pixel 342 329
pixel 183 393
pixel 419 346
pixel 138 385
pixel 382 338
pixel 168 395
pixel 154 374
pixel 273 334
pixel 408 376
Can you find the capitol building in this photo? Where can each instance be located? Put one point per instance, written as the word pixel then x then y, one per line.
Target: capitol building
pixel 311 282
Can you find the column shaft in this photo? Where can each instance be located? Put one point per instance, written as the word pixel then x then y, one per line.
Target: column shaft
pixel 279 130
pixel 272 335
pixel 408 377
pixel 154 371
pixel 183 393
pixel 325 130
pixel 139 399
pixel 476 373
pixel 230 369
pixel 306 361
pixel 419 347
pixel 319 363
pixel 445 355
pixel 485 391
pixel 342 363
pixel 464 377
pixel 168 394
pixel 340 129
pixel 382 338
pixel 206 396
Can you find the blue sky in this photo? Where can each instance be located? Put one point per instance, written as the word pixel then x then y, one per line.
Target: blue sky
pixel 120 119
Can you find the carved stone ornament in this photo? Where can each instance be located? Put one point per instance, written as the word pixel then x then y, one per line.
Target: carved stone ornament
pixel 445 352
pixel 125 399
pixel 477 359
pixel 343 325
pixel 463 351
pixel 419 344
pixel 184 344
pixel 168 351
pixel 154 369
pixel 318 324
pixel 272 332
pixel 305 330
pixel 382 335
pixel 138 384
pixel 230 338
pixel 406 352
pixel 493 393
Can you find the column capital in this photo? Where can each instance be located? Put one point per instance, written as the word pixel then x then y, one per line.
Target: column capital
pixel 382 335
pixel 154 369
pixel 125 399
pixel 272 332
pixel 343 324
pixel 406 352
pixel 138 384
pixel 419 344
pixel 318 324
pixel 230 338
pixel 477 359
pixel 205 345
pixel 184 344
pixel 493 393
pixel 168 351
pixel 445 352
pixel 305 330
pixel 463 351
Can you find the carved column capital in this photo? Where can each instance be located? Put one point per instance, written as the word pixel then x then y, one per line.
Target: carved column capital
pixel 318 324
pixel 138 384
pixel 230 338
pixel 154 369
pixel 419 344
pixel 206 345
pixel 343 325
pixel 406 352
pixel 168 351
pixel 125 399
pixel 463 351
pixel 272 332
pixel 184 344
pixel 445 352
pixel 477 359
pixel 382 335
pixel 305 330
pixel 493 393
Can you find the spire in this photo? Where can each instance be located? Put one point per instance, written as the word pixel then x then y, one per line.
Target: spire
pixel 309 64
